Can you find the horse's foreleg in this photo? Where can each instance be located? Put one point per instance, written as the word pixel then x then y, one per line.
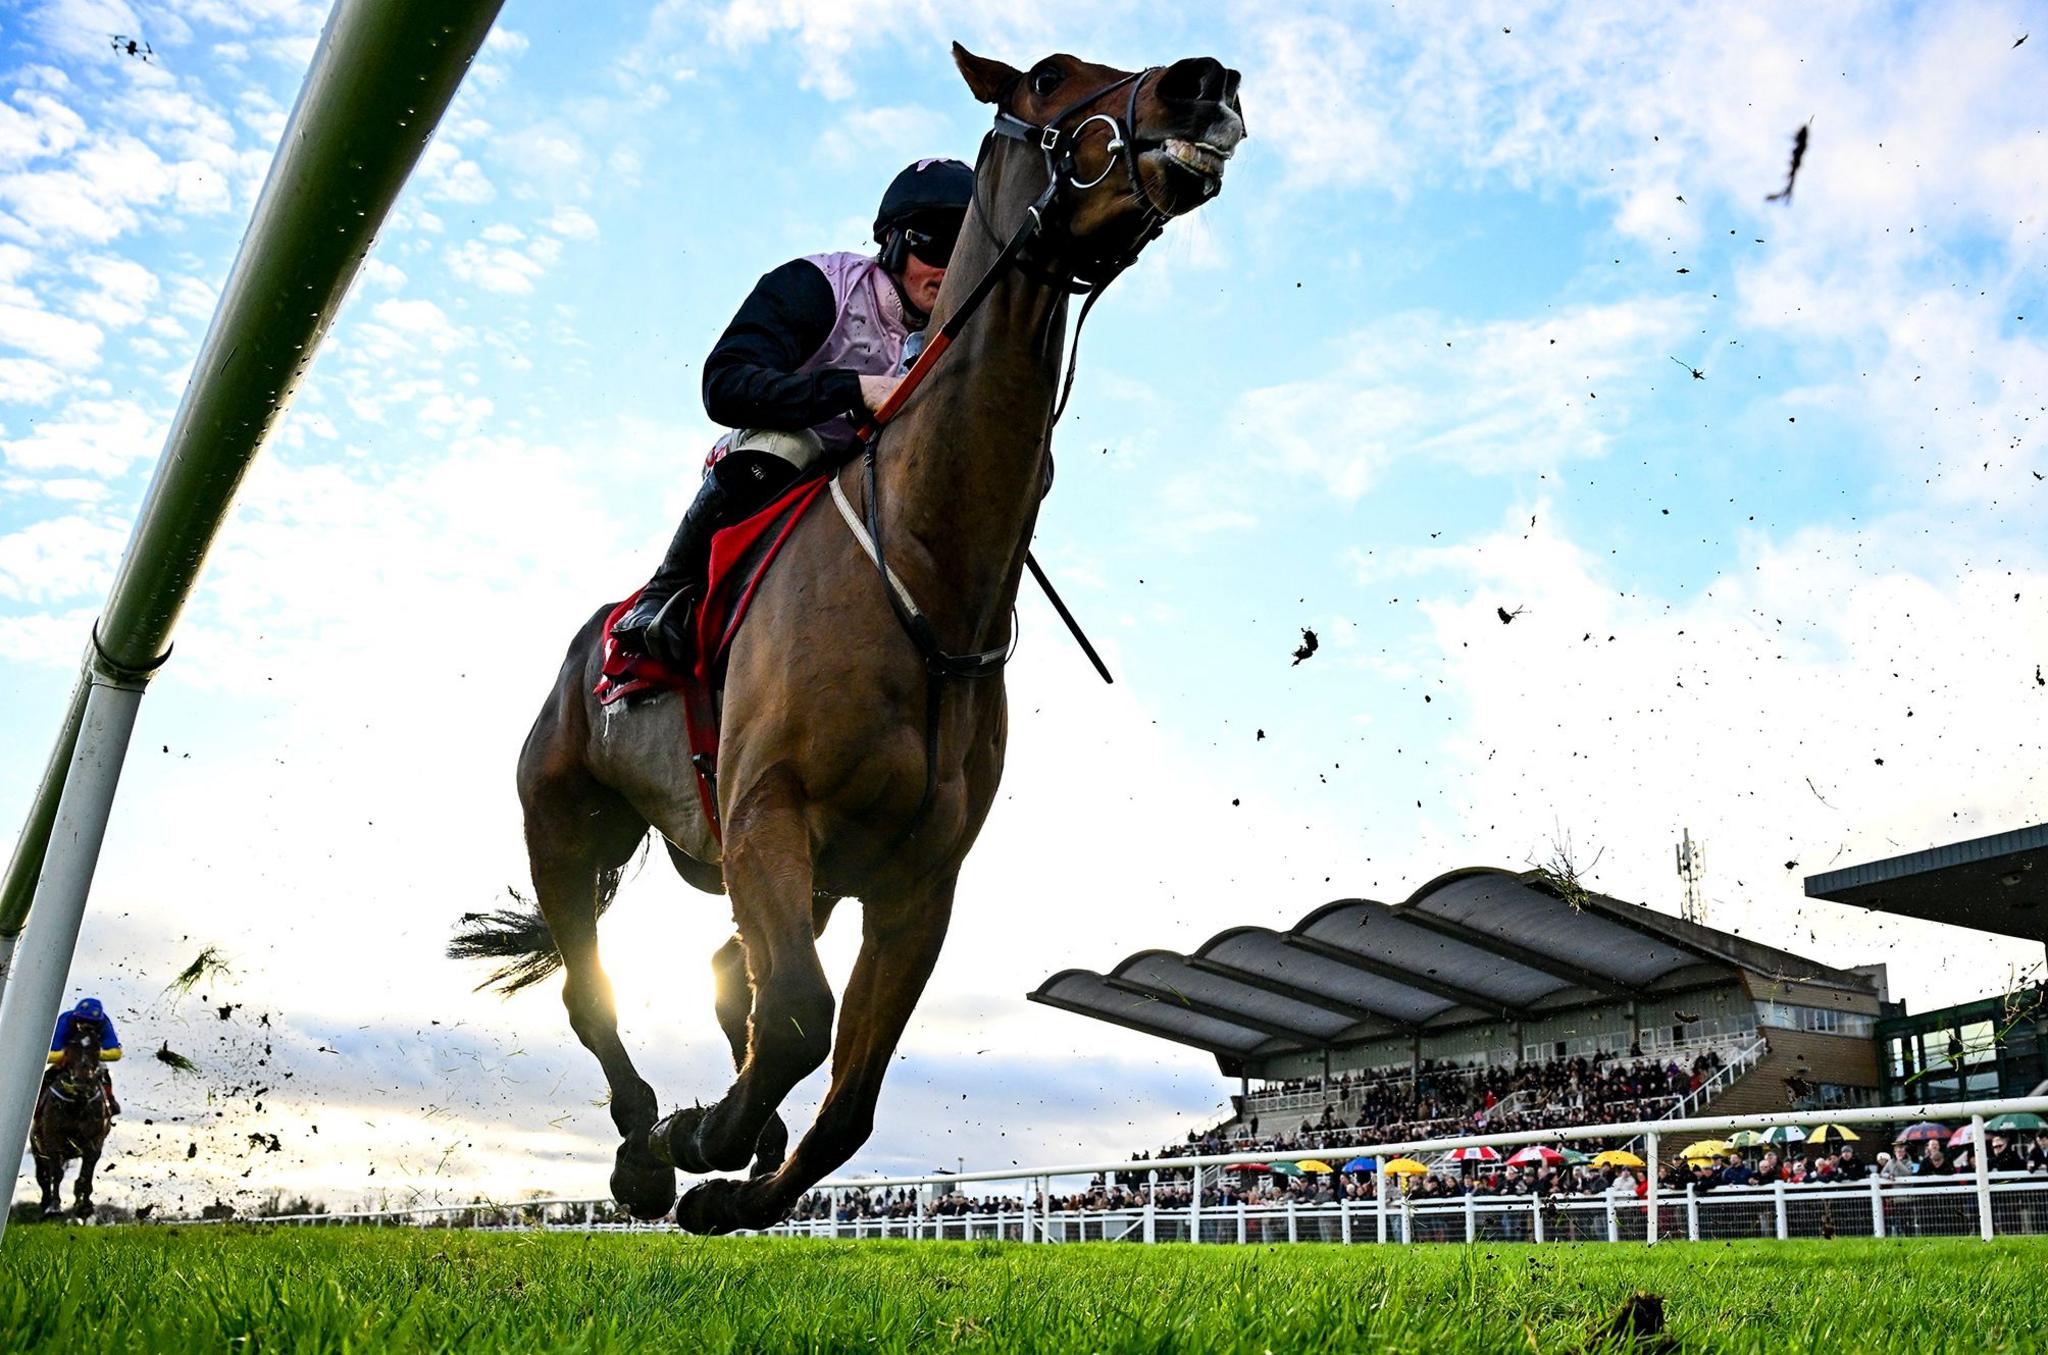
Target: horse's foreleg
pixel 789 1026
pixel 50 1179
pixel 81 1195
pixel 899 946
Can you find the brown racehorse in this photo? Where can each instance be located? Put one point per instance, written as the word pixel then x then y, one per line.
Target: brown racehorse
pixel 71 1121
pixel 822 788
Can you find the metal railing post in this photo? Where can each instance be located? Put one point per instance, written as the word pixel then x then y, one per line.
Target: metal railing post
pixel 1778 1198
pixel 1613 1223
pixel 1652 1200
pixel 1536 1213
pixel 1981 1161
pixel 1195 1208
pixel 1152 1206
pixel 1471 1220
pixel 1045 1210
pixel 1344 1217
pixel 1876 1204
pixel 1240 1223
pixel 1692 1213
pixel 1291 1237
pixel 1379 1197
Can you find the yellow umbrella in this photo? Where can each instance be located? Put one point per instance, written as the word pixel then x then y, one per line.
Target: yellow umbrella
pixel 1311 1165
pixel 1405 1166
pixel 1707 1148
pixel 1833 1131
pixel 1617 1157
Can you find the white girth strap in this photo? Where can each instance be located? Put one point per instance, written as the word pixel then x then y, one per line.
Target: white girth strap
pixel 867 543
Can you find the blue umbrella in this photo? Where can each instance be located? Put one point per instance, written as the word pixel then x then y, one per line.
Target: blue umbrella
pixel 1361 1164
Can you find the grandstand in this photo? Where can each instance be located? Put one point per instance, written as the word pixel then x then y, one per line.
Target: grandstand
pixel 1499 999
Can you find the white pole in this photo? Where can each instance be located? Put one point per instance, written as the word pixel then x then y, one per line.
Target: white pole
pixel 1379 1195
pixel 1152 1206
pixel 1195 1209
pixel 1536 1213
pixel 1471 1220
pixel 1650 1218
pixel 1344 1216
pixel 1240 1222
pixel 1778 1193
pixel 1876 1204
pixel 1692 1213
pixel 28 1012
pixel 1982 1163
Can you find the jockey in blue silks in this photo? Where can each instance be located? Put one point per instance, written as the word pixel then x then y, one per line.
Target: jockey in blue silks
pixel 91 1012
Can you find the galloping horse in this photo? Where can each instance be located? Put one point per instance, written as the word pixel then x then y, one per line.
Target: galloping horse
pixel 71 1121
pixel 855 759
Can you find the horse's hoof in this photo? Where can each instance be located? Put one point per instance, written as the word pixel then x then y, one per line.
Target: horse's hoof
pixel 673 1141
pixel 84 1209
pixel 770 1148
pixel 53 1211
pixel 710 1207
pixel 646 1188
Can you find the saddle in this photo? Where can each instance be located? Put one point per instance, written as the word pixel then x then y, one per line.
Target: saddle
pixel 740 558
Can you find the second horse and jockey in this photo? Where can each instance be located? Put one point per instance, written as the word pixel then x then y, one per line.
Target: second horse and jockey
pixel 847 740
pixel 75 1106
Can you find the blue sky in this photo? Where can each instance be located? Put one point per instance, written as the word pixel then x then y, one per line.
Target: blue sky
pixel 1414 365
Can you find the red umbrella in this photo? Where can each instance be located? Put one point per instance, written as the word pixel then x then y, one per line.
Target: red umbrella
pixel 1922 1132
pixel 1536 1155
pixel 1479 1154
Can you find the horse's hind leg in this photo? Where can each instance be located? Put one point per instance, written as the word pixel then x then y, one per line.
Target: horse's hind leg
pixel 576 833
pixel 899 945
pixel 50 1179
pixel 789 1027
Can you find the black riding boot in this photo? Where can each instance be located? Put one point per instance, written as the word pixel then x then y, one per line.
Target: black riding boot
pixel 652 627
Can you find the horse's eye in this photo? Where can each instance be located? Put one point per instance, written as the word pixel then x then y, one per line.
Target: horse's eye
pixel 1045 80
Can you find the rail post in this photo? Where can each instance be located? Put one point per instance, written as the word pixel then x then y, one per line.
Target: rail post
pixel 1778 1200
pixel 1291 1237
pixel 1240 1221
pixel 1152 1205
pixel 1195 1208
pixel 1876 1204
pixel 378 83
pixel 1536 1214
pixel 1981 1162
pixel 1650 1212
pixel 1379 1197
pixel 1692 1213
pixel 1344 1216
pixel 1471 1219
pixel 1613 1223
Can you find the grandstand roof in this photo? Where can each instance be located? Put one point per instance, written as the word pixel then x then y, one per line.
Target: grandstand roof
pixel 1475 945
pixel 1994 884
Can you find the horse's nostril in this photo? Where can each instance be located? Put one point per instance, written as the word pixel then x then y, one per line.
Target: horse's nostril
pixel 1195 79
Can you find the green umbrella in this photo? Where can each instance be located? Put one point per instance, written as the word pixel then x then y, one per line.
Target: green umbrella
pixel 1574 1157
pixel 1746 1138
pixel 2019 1119
pixel 1284 1169
pixel 1785 1133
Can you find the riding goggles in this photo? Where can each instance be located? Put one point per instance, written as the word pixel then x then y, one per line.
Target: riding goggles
pixel 931 247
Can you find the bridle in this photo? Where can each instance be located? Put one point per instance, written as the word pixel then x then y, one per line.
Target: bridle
pixel 1035 249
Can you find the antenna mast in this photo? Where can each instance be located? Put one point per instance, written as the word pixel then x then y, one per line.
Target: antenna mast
pixel 1692 868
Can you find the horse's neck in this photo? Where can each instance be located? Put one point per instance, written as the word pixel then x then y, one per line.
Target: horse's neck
pixel 963 471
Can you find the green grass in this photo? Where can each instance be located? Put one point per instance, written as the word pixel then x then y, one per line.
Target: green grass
pixel 244 1289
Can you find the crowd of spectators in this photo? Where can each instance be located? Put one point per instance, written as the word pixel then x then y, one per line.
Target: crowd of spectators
pixel 1441 1098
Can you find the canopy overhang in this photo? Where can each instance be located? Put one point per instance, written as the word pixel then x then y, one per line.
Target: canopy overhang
pixel 1992 884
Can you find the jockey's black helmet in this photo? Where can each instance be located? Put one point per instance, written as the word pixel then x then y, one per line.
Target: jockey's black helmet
pixel 930 187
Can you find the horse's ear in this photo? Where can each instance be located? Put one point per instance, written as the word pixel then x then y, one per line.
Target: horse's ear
pixel 986 76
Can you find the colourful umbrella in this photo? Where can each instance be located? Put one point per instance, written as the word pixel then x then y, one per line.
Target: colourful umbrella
pixel 1479 1154
pixel 2019 1119
pixel 1922 1132
pixel 1311 1165
pixel 1536 1155
pixel 1406 1166
pixel 1284 1169
pixel 1746 1138
pixel 1785 1133
pixel 1574 1157
pixel 1833 1131
pixel 1706 1149
pixel 1247 1167
pixel 1967 1134
pixel 1617 1157
pixel 1360 1164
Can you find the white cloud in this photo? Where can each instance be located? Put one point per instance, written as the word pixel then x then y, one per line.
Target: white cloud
pixel 27 381
pixel 57 339
pixel 1487 397
pixel 507 271
pixel 118 290
pixel 572 223
pixel 447 177
pixel 98 437
pixel 59 559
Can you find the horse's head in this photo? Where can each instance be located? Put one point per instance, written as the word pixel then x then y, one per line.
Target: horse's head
pixel 81 1048
pixel 1135 147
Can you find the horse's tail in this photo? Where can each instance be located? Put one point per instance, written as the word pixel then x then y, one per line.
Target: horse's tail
pixel 519 937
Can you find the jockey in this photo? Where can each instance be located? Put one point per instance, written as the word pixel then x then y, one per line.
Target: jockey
pixel 818 343
pixel 89 1011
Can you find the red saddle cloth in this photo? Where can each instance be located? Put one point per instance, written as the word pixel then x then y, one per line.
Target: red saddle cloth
pixel 740 557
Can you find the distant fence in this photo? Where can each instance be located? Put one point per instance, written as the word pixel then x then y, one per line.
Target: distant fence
pixel 1982 1202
